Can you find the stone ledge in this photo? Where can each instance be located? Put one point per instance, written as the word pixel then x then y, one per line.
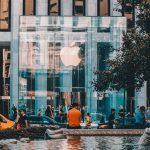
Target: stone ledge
pixel 103 132
pixel 32 133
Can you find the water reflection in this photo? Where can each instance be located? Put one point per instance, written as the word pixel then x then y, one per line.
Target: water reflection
pixel 81 143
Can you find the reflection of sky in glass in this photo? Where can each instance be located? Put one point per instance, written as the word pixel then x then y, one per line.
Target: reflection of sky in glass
pixel 29 57
pixel 41 40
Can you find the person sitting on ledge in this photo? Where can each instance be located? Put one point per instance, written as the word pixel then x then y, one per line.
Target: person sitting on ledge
pixel 111 119
pixel 74 117
pixel 88 121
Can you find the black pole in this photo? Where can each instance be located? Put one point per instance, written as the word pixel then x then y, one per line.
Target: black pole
pixel 124 98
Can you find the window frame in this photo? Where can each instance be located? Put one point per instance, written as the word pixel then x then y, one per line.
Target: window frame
pixel 9 18
pixel 59 8
pixel 84 7
pixel 98 8
pixel 34 8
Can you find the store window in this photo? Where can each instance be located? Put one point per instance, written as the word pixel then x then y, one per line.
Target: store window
pixel 4 15
pixel 56 68
pixel 79 7
pixel 103 7
pixel 54 7
pixel 4 80
pixel 129 13
pixel 29 7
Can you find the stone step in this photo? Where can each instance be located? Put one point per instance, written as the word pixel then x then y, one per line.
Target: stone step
pixel 103 132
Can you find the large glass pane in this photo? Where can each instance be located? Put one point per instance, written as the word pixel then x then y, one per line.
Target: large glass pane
pixel 79 7
pixel 54 7
pixel 4 14
pixel 29 7
pixel 58 57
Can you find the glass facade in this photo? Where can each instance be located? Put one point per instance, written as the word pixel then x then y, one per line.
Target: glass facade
pixel 4 15
pixel 29 7
pixel 54 7
pixel 57 57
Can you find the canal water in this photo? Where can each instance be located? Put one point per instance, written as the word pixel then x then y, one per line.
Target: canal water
pixel 80 143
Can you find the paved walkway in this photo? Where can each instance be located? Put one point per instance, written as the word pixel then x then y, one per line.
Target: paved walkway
pixel 103 132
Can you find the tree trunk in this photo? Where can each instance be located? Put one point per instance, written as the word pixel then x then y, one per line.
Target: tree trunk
pixel 148 93
pixel 130 100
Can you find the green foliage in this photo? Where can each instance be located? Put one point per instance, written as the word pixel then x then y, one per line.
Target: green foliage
pixel 131 65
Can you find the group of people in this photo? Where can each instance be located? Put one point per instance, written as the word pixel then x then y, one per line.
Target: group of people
pixel 73 115
pixel 139 115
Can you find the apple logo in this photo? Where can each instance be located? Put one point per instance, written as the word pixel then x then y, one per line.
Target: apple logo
pixel 70 56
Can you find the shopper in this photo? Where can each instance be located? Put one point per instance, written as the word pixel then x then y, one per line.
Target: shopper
pixel 83 113
pixel 74 117
pixel 88 121
pixel 140 117
pixel 111 119
pixel 23 120
pixel 49 111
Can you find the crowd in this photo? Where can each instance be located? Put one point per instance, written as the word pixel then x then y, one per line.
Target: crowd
pixel 72 115
pixel 75 115
pixel 139 116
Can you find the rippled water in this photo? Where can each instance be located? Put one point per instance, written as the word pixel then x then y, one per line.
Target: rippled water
pixel 81 143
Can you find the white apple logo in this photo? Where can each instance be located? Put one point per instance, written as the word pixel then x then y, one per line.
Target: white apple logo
pixel 70 56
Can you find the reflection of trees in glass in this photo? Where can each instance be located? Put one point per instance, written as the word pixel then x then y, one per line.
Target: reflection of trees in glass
pixel 103 50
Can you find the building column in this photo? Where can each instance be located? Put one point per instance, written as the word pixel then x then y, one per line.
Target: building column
pixel 91 8
pixel 66 7
pixel 16 11
pixel 41 7
pixel 41 72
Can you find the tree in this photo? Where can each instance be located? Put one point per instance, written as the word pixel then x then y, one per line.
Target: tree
pixel 130 67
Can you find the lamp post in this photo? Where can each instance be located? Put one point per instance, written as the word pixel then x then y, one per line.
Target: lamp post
pixel 124 98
